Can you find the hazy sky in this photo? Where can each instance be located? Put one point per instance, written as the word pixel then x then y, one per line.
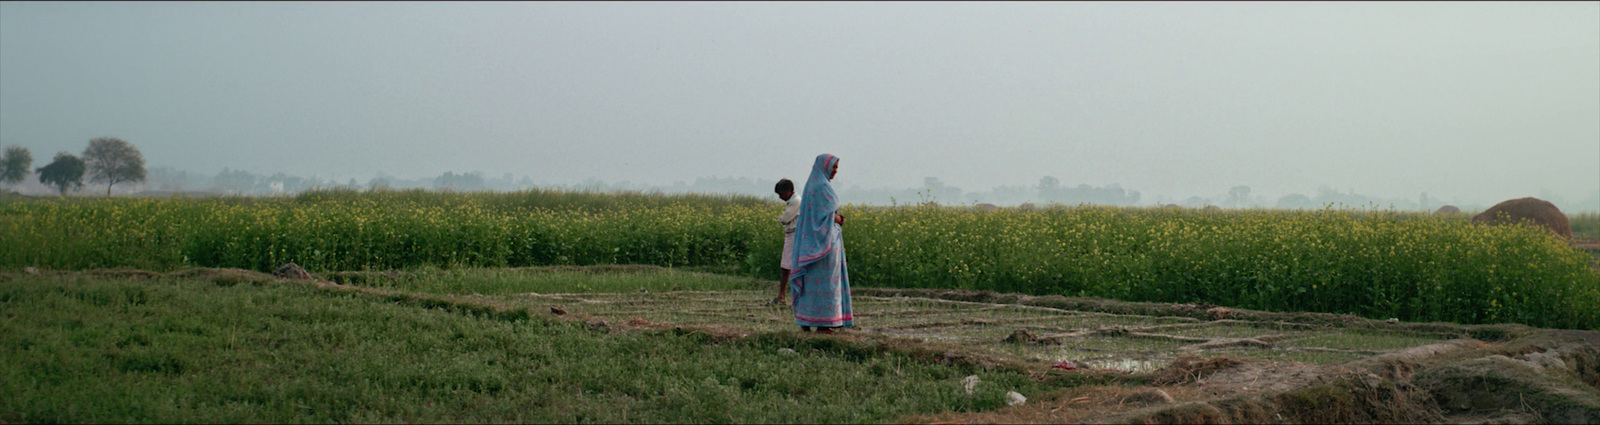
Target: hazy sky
pixel 1476 101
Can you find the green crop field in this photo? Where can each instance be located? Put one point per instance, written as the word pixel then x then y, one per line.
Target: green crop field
pixel 644 344
pixel 1585 225
pixel 81 348
pixel 1376 264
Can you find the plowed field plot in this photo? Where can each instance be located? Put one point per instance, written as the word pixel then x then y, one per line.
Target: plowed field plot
pixel 1094 340
pixel 1178 363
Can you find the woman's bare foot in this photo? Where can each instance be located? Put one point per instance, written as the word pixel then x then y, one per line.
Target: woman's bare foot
pixel 825 331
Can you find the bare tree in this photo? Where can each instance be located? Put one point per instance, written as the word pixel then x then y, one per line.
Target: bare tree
pixel 15 164
pixel 65 173
pixel 112 160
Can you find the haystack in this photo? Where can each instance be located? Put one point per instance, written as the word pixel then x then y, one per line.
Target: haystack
pixel 291 271
pixel 1538 211
pixel 1447 209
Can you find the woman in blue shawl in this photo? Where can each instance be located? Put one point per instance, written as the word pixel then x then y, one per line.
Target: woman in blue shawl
pixel 820 285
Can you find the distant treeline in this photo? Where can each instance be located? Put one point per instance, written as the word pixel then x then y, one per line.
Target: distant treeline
pixel 165 180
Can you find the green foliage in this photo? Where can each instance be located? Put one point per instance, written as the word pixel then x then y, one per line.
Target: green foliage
pixel 1585 224
pixel 15 164
pixel 82 350
pixel 64 173
pixel 1375 264
pixel 112 160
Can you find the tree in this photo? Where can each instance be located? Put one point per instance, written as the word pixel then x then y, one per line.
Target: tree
pixel 64 173
pixel 936 190
pixel 1049 188
pixel 1196 201
pixel 1238 196
pixel 463 182
pixel 236 181
pixel 1296 201
pixel 112 160
pixel 14 165
pixel 380 183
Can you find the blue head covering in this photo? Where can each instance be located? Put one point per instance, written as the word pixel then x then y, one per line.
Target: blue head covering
pixel 814 230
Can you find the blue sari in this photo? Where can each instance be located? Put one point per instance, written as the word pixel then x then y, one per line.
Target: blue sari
pixel 819 282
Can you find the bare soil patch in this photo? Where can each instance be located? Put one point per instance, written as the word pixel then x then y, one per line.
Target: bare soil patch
pixel 1216 364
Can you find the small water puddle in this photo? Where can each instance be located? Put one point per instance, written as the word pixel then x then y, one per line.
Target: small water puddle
pixel 1130 365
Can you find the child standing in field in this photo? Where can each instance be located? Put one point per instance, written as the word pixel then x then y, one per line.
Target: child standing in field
pixel 791 211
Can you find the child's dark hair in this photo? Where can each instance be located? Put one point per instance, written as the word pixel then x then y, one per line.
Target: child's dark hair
pixel 783 185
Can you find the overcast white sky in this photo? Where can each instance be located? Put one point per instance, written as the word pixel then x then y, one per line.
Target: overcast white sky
pixel 1475 101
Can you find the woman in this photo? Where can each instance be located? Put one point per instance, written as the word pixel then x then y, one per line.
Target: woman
pixel 820 285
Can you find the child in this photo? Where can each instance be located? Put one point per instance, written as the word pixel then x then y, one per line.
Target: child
pixel 791 211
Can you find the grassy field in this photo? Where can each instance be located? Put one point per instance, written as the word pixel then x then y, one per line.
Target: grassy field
pixel 484 345
pixel 1376 264
pixel 82 348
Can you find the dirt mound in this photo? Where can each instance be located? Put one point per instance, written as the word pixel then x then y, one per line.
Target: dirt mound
pixel 1546 377
pixel 124 272
pixel 1540 212
pixel 1495 332
pixel 224 277
pixel 291 271
pixel 1447 209
pixel 1151 396
pixel 1021 336
pixel 1497 383
pixel 1189 368
pixel 387 276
